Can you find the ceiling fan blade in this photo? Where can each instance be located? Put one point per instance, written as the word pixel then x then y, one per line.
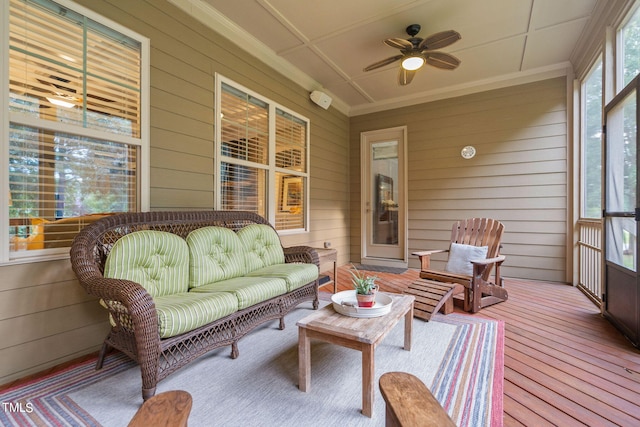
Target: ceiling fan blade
pixel 405 76
pixel 440 40
pixel 442 60
pixel 382 63
pixel 399 43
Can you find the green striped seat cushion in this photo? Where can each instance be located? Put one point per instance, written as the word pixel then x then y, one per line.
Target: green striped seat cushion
pixel 294 274
pixel 157 260
pixel 185 311
pixel 248 290
pixel 262 246
pixel 215 253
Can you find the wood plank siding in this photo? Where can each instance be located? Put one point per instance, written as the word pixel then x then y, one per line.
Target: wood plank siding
pixel 519 175
pixel 564 363
pixel 45 316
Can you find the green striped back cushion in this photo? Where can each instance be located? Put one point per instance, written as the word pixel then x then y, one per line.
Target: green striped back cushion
pixel 262 245
pixel 215 253
pixel 157 260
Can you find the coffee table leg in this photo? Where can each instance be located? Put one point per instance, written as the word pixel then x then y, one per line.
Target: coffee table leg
pixel 368 374
pixel 408 328
pixel 304 360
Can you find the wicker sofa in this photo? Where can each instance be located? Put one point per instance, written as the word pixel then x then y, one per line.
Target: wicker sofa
pixel 113 255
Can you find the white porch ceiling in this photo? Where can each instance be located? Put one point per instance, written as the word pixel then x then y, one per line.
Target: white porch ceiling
pixel 329 42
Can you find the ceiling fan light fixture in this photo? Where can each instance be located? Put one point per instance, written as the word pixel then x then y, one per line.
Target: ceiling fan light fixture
pixel 412 63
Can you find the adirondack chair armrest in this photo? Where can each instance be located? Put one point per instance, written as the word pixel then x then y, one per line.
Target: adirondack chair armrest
pixel 480 266
pixel 427 253
pixel 425 257
pixel 487 261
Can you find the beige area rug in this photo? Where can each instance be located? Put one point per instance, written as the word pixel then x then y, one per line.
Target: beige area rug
pixel 459 357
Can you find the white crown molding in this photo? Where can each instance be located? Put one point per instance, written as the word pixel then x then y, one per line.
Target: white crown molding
pixel 543 73
pixel 222 25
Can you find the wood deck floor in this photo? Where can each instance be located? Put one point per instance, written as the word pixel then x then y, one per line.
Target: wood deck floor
pixel 564 363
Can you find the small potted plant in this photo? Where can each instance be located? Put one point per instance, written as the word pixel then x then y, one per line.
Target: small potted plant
pixel 365 287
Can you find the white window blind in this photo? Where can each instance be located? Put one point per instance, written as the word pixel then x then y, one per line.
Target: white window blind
pixel 60 59
pixel 291 154
pixel 244 151
pixel 262 158
pixel 75 123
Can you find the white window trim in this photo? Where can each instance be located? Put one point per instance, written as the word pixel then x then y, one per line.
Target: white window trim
pixel 6 257
pixel 271 169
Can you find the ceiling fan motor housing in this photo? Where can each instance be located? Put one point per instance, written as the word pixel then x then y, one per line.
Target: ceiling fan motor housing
pixel 413 29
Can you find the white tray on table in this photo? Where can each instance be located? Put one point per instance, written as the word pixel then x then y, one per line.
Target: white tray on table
pixel 345 303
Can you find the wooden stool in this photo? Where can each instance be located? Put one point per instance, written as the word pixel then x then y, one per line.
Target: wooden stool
pixel 431 296
pixel 410 403
pixel 170 409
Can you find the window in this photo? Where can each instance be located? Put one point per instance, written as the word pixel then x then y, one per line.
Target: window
pixel 592 143
pixel 77 142
pixel 263 157
pixel 629 50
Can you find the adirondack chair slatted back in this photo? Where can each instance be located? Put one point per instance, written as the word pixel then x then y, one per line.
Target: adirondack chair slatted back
pixel 479 232
pixel 479 290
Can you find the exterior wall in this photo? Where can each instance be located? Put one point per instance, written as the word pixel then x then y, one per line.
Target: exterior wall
pixel 45 316
pixel 518 176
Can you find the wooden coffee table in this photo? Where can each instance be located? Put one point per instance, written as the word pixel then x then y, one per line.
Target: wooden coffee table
pixel 362 334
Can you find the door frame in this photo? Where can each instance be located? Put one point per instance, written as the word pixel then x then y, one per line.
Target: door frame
pixel 365 258
pixel 623 311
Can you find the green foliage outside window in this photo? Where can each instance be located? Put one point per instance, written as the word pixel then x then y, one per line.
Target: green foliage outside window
pixel 592 173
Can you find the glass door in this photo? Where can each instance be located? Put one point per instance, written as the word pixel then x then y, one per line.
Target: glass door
pixel 383 201
pixel 621 298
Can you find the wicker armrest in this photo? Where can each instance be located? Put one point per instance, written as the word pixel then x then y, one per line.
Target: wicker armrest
pixel 123 291
pixel 303 254
pixel 128 303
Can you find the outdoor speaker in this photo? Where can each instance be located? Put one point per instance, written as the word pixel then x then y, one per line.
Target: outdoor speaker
pixel 321 98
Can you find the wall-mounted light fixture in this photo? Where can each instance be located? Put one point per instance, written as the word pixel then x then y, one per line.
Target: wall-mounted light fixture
pixel 468 152
pixel 320 98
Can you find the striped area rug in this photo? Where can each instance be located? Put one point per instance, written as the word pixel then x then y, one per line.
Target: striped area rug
pixel 459 357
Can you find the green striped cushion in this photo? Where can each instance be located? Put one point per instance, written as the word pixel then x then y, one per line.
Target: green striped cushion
pixel 157 260
pixel 295 274
pixel 185 311
pixel 262 245
pixel 215 253
pixel 248 290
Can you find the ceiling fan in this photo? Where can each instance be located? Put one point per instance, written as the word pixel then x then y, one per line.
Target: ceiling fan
pixel 417 51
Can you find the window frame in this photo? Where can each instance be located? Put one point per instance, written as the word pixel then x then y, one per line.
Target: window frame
pixel 270 167
pixel 619 49
pixel 143 172
pixel 599 61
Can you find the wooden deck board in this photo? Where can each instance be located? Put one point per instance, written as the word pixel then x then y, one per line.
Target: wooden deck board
pixel 564 363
